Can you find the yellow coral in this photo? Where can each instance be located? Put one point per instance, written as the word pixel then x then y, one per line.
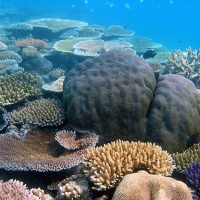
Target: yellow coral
pixel 108 164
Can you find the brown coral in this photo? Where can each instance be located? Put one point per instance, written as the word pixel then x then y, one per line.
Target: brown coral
pixel 16 87
pixel 108 164
pixel 184 159
pixel 143 186
pixel 37 151
pixel 31 42
pixel 42 112
pixel 70 141
pixel 15 190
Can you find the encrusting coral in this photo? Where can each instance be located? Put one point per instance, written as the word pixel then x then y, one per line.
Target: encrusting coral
pixel 108 164
pixel 143 186
pixel 42 112
pixel 16 87
pixel 184 159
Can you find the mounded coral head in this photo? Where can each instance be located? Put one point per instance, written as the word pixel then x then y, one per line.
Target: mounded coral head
pixel 141 185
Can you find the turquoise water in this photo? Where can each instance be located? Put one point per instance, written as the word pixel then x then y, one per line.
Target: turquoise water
pixel 174 23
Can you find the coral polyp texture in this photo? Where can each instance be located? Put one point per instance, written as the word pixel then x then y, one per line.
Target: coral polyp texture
pixel 16 87
pixel 167 121
pixel 192 174
pixel 70 141
pixel 108 164
pixel 15 190
pixel 37 151
pixel 142 186
pixel 31 42
pixel 42 112
pixel 110 94
pixel 184 159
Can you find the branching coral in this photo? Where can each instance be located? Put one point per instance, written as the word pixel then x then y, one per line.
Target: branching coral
pixel 16 87
pixel 141 185
pixel 31 42
pixel 108 164
pixel 4 55
pixel 42 112
pixel 15 190
pixel 183 160
pixel 185 63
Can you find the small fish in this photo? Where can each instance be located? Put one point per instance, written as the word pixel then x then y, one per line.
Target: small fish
pixel 149 54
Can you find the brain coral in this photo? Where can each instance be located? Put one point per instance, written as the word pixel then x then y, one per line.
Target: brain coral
pixel 174 113
pixel 110 94
pixel 143 186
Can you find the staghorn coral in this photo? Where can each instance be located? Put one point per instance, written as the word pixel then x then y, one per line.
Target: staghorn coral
pixel 184 159
pixel 186 64
pixel 2 46
pixel 37 151
pixel 70 141
pixel 192 174
pixel 143 186
pixel 31 42
pixel 15 190
pixel 30 52
pixel 42 112
pixel 11 55
pixel 108 164
pixel 110 95
pixel 16 87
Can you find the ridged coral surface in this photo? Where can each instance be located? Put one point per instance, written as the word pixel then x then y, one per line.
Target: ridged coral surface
pixel 174 113
pixel 108 164
pixel 110 94
pixel 143 186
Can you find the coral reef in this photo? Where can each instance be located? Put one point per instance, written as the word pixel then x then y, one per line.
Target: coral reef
pixel 37 151
pixel 20 26
pixel 141 185
pixel 16 190
pixel 167 122
pixel 108 164
pixel 42 112
pixel 70 141
pixel 14 88
pixel 192 174
pixel 184 159
pixel 4 55
pixel 110 95
pixel 31 42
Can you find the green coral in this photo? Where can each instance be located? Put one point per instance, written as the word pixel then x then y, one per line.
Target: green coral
pixel 184 159
pixel 14 88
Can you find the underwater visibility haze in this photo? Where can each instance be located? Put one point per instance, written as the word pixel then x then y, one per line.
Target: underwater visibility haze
pixel 99 99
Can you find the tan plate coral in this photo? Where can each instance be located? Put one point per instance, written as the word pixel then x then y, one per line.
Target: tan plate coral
pixel 55 86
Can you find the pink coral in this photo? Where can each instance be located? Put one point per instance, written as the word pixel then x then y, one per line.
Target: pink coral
pixel 15 190
pixel 31 42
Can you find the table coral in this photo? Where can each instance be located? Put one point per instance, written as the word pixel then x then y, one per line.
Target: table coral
pixel 108 164
pixel 143 186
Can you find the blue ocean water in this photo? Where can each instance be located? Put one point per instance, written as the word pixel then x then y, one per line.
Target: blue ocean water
pixel 174 23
